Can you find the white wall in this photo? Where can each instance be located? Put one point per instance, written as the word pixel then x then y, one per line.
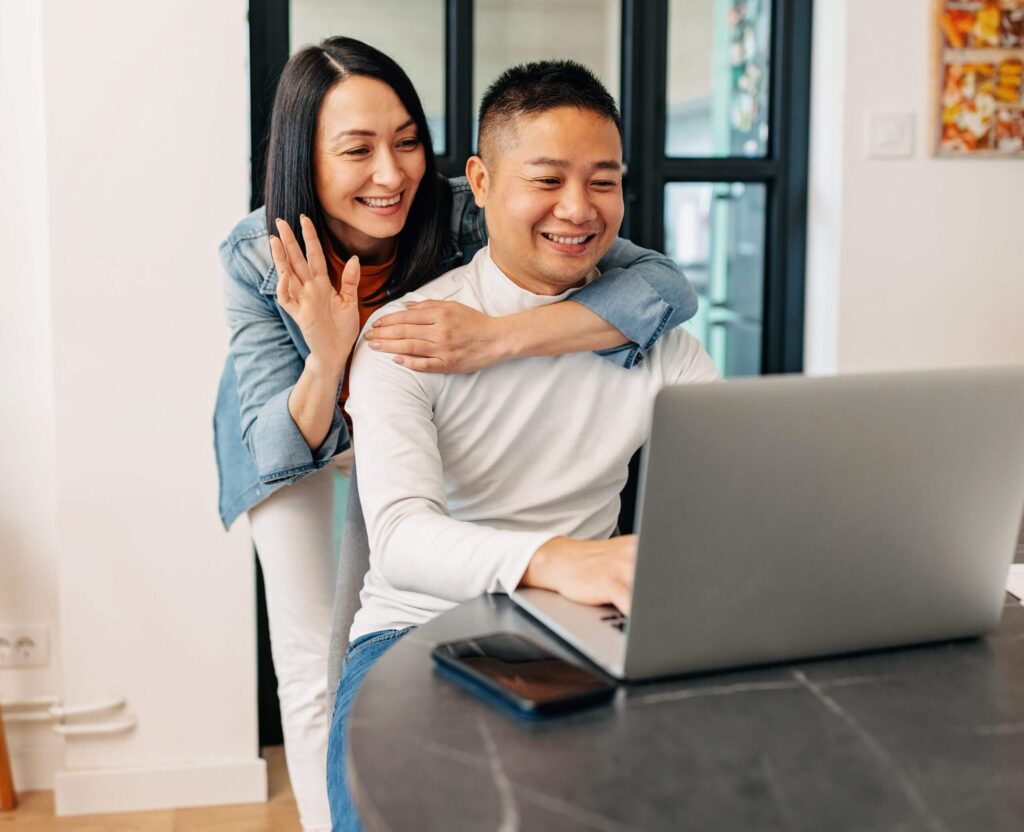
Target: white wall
pixel 28 506
pixel 913 262
pixel 143 107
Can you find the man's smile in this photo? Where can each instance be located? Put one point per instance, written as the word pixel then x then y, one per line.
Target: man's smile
pixel 569 243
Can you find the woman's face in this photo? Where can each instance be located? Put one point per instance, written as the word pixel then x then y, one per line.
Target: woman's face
pixel 368 163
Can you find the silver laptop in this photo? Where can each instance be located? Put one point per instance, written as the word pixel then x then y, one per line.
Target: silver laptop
pixel 789 517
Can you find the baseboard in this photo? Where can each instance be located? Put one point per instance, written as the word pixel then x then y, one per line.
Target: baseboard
pixel 35 768
pixel 163 787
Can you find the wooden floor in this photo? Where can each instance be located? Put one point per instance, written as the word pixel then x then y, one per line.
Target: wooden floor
pixel 278 814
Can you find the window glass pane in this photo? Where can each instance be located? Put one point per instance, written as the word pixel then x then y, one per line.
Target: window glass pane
pixel 508 32
pixel 718 60
pixel 715 232
pixel 411 33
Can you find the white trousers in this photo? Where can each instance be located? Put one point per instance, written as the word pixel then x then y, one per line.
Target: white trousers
pixel 294 535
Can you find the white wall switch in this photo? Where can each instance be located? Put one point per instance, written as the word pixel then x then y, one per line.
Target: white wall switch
pixel 890 135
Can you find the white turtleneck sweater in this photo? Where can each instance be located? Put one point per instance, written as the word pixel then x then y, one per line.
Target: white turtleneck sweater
pixel 464 477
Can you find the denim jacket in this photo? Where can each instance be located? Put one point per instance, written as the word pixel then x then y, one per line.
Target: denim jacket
pixel 260 449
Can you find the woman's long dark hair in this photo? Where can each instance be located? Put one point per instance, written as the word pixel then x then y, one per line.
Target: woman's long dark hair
pixel 290 187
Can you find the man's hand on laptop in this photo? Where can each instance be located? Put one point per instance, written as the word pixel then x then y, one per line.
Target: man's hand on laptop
pixel 586 571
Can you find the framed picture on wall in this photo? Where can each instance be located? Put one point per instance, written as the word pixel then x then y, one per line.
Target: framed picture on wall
pixel 980 78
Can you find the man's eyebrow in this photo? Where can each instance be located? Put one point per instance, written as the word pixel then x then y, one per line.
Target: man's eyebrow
pixel 543 161
pixel 370 133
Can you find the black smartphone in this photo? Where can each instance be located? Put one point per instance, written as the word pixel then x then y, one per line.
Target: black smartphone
pixel 513 671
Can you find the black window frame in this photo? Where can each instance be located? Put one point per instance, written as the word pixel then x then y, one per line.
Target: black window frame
pixel 783 171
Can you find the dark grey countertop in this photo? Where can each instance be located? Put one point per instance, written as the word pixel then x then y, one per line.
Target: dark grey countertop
pixel 928 738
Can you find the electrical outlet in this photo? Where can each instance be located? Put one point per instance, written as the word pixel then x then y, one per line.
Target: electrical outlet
pixel 24 645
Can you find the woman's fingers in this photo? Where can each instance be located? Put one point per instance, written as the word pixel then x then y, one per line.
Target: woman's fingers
pixel 279 255
pixel 399 332
pixel 422 365
pixel 420 311
pixel 314 251
pixel 350 279
pixel 406 316
pixel 407 346
pixel 296 259
pixel 284 272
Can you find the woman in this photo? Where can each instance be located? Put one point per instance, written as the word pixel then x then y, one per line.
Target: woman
pixel 351 167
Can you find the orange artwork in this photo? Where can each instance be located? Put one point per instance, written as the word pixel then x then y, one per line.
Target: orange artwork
pixel 981 61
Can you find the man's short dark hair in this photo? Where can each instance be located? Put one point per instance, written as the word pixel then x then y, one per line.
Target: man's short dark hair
pixel 529 89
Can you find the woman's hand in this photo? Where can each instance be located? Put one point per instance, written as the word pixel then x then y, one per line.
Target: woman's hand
pixel 328 317
pixel 441 336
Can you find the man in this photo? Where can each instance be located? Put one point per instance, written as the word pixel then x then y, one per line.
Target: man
pixel 510 476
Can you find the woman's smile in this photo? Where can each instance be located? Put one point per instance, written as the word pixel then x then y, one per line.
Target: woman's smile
pixel 382 205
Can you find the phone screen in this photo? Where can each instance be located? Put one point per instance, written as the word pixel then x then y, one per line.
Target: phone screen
pixel 529 676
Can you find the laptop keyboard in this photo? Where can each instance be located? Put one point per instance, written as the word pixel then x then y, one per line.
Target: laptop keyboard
pixel 617 620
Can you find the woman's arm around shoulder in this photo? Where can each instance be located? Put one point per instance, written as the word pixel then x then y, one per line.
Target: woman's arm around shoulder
pixel 638 296
pixel 642 293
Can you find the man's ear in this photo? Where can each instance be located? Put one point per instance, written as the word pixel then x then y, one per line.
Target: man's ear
pixel 479 180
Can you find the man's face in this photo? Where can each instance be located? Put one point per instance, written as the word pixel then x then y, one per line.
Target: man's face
pixel 552 193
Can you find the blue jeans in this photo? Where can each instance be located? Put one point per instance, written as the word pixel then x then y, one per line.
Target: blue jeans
pixel 359 658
